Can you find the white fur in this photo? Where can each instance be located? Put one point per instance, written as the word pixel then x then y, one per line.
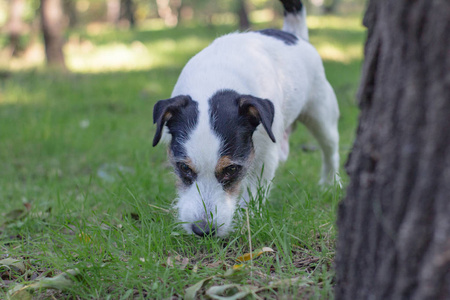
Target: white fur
pixel 296 24
pixel 292 77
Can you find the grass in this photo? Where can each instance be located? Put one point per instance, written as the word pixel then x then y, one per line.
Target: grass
pixel 82 188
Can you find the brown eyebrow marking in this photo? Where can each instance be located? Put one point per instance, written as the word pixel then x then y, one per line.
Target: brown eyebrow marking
pixel 189 162
pixel 174 161
pixel 222 163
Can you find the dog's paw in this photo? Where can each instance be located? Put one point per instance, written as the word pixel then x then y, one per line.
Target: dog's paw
pixel 331 181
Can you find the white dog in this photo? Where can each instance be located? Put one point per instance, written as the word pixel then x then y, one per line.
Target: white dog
pixel 231 113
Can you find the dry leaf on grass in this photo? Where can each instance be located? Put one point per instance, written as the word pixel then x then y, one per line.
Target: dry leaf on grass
pixel 236 273
pixel 254 254
pixel 176 262
pixel 62 281
pixel 231 292
pixel 13 265
pixel 236 291
pixel 191 292
pixel 184 263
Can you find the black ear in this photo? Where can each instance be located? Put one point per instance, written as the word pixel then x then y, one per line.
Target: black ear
pixel 258 111
pixel 164 110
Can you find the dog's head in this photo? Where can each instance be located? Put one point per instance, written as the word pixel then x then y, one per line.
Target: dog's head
pixel 211 150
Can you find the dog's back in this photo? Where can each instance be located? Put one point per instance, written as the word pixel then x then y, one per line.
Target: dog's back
pixel 280 65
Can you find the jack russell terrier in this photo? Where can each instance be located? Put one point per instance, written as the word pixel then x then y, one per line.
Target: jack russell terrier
pixel 232 109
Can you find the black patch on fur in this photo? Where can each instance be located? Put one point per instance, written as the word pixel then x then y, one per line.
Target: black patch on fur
pixel 286 37
pixel 235 130
pixel 183 117
pixel 231 121
pixel 292 6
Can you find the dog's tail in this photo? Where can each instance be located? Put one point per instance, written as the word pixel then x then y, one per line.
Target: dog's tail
pixel 295 18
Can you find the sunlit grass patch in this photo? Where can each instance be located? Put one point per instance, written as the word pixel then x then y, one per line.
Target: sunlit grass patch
pixel 340 54
pixel 136 56
pixel 346 22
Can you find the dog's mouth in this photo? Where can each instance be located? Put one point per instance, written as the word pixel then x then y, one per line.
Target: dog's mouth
pixel 206 211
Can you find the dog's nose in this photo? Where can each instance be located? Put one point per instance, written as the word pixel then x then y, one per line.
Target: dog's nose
pixel 203 228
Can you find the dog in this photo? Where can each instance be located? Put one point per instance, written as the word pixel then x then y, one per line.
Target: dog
pixel 232 109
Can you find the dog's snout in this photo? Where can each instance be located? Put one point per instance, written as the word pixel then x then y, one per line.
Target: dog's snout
pixel 203 228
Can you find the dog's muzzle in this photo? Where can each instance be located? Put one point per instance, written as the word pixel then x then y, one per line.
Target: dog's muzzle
pixel 203 228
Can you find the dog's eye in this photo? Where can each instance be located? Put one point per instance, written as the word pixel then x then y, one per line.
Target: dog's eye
pixel 231 170
pixel 186 174
pixel 184 168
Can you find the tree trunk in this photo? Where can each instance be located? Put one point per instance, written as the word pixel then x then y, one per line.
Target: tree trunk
pixel 15 25
pixel 330 7
pixel 242 12
pixel 127 12
pixel 70 10
pixel 52 22
pixel 113 11
pixel 394 224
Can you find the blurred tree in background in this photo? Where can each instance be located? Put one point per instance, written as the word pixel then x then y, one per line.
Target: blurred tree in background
pixel 52 29
pixel 70 10
pixel 15 25
pixel 242 12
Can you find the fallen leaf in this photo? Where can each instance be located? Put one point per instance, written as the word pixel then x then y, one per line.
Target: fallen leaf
pixel 169 262
pixel 254 254
pixel 289 282
pixel 191 292
pixel 176 262
pixel 13 264
pixel 184 263
pixel 236 273
pixel 230 292
pixel 62 281
pixel 19 293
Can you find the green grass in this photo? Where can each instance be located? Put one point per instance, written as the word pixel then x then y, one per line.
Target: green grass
pixel 81 187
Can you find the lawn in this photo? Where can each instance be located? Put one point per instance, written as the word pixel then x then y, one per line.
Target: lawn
pixel 83 192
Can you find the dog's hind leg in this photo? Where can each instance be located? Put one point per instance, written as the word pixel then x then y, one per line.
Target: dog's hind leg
pixel 320 116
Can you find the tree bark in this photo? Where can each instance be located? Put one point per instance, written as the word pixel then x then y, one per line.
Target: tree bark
pixel 394 223
pixel 52 23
